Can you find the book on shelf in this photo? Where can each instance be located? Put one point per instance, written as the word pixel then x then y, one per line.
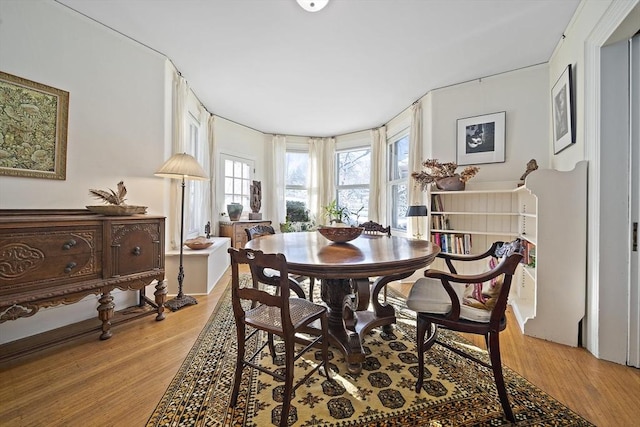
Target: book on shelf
pixel 452 242
pixel 436 203
pixel 528 254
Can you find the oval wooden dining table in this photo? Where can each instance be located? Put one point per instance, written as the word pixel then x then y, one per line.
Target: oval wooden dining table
pixel 344 270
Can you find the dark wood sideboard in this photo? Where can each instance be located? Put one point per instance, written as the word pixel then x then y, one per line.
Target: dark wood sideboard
pixel 52 257
pixel 235 230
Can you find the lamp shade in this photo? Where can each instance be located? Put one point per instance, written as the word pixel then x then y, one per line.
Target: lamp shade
pixel 182 166
pixel 417 210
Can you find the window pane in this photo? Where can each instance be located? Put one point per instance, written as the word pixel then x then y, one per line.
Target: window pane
pixel 399 159
pixel 399 206
pixel 237 182
pixel 297 168
pixel 354 167
pixel 357 201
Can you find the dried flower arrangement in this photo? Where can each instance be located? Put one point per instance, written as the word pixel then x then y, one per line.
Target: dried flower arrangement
pixel 114 202
pixel 111 197
pixel 435 171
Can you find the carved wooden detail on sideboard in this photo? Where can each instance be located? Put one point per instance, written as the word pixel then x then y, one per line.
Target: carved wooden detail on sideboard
pixel 53 257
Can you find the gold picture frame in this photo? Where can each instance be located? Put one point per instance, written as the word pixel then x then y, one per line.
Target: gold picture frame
pixel 33 129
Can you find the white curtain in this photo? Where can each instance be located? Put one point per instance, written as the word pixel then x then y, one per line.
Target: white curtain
pixel 377 186
pixel 322 183
pixel 179 105
pixel 210 168
pixel 415 160
pixel 278 170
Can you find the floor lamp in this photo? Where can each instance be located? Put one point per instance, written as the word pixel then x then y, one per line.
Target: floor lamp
pixel 181 166
pixel 417 210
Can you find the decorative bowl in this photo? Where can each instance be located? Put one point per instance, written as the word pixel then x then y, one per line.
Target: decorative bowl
pixel 198 243
pixel 340 234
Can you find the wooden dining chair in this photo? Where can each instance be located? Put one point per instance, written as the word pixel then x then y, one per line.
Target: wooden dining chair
pixel 474 304
pixel 370 228
pixel 264 230
pixel 373 228
pixel 276 313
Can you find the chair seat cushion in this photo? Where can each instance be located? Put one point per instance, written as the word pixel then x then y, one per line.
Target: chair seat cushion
pixel 429 296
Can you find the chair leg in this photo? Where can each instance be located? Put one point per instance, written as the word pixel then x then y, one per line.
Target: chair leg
pixel 288 382
pixel 424 345
pixel 312 282
pixel 325 345
pixel 240 332
pixel 496 366
pixel 272 347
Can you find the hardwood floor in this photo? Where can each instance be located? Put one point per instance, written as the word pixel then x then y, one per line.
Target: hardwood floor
pixel 118 382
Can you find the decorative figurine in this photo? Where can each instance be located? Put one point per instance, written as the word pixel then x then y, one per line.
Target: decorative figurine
pixel 531 166
pixel 256 200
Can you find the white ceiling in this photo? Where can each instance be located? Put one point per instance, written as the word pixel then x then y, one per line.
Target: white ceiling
pixel 354 65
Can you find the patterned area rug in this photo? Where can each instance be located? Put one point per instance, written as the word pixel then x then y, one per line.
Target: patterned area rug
pixel 456 392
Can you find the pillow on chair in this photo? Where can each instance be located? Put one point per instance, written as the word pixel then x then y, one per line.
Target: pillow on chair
pixel 476 300
pixel 483 295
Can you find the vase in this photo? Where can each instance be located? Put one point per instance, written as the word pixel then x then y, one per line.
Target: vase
pixel 450 183
pixel 234 210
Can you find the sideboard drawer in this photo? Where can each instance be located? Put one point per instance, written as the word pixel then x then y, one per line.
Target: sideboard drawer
pixel 136 247
pixel 27 259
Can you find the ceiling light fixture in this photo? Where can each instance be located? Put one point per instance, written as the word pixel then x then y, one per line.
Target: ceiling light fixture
pixel 312 5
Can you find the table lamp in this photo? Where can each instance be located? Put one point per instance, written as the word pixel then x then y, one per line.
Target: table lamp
pixel 417 210
pixel 181 166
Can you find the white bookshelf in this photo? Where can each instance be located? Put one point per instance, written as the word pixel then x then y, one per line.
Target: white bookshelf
pixel 549 212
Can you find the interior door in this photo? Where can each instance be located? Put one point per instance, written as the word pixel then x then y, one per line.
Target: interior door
pixel 633 357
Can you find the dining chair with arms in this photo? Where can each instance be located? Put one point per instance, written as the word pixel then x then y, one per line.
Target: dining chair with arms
pixel 370 228
pixel 474 304
pixel 265 230
pixel 275 313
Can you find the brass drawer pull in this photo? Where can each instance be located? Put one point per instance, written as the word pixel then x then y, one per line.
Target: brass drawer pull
pixel 137 251
pixel 70 267
pixel 71 243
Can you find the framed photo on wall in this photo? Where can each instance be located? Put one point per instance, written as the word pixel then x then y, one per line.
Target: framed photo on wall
pixel 562 111
pixel 33 129
pixel 481 139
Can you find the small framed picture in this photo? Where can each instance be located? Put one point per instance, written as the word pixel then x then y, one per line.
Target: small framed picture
pixel 481 139
pixel 562 111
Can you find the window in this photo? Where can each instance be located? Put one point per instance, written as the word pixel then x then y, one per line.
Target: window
pixel 353 171
pixel 296 193
pixel 238 174
pixel 397 179
pixel 193 188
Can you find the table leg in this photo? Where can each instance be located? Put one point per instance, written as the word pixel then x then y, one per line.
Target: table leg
pixel 350 320
pixel 333 293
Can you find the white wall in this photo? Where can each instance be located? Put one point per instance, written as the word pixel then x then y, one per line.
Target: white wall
pixel 240 141
pixel 116 123
pixel 524 96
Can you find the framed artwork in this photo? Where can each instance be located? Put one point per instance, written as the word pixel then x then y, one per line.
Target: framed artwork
pixel 481 139
pixel 33 129
pixel 562 111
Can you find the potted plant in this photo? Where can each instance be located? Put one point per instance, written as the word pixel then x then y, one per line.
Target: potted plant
pixel 443 175
pixel 335 213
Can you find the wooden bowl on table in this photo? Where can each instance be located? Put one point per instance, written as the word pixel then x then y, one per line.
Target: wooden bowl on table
pixel 340 234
